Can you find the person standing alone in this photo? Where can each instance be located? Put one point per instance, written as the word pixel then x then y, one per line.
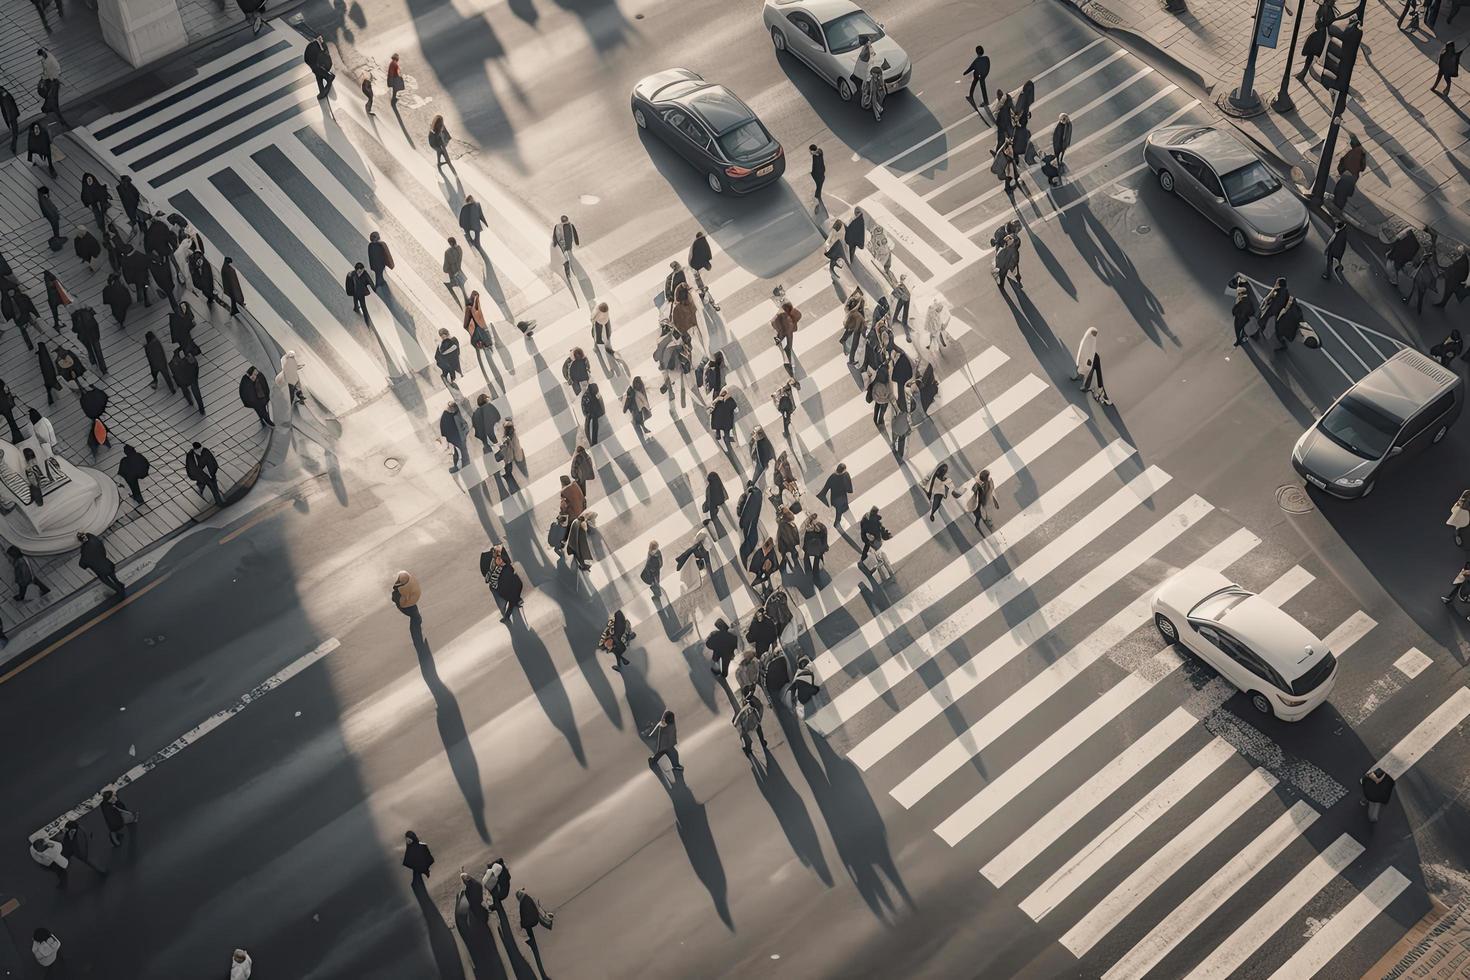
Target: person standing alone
pixel 819 176
pixel 978 71
pixel 665 742
pixel 405 597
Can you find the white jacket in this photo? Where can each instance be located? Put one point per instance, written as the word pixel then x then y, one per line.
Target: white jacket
pixel 45 434
pixel 240 969
pixel 49 855
pixel 1086 350
pixel 46 952
pixel 1459 516
pixel 290 368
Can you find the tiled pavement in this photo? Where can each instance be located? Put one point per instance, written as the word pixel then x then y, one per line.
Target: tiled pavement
pixel 159 425
pixel 1414 137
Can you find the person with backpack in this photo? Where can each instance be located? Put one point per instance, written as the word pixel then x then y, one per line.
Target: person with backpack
pixel 635 403
pixel 576 370
pixel 653 569
pixel 616 635
pixel 592 412
pixel 785 402
pixel 747 722
pixel 665 742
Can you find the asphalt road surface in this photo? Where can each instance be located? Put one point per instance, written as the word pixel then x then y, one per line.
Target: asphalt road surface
pixel 1007 772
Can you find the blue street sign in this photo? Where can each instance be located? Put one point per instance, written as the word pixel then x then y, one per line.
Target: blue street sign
pixel 1269 27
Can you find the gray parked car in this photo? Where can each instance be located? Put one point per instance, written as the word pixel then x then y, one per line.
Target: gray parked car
pixel 1229 184
pixel 1405 404
pixel 826 34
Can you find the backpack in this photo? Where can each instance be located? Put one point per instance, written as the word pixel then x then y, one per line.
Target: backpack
pixel 778 609
pixel 566 369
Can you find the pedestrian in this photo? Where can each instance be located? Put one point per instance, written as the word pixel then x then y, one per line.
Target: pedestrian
pixel 112 244
pixel 45 947
pixel 1459 517
pixel 1455 276
pixel 33 476
pixel 747 722
pixel 978 71
pixel 21 310
pixel 855 235
pixel 87 248
pixel 564 238
pixel 10 112
pixel 510 452
pixel 446 358
pixel 97 197
pixel 814 544
pixel 1271 306
pixel 454 269
pixel 1002 111
pixel 38 144
pixel 1401 252
pixel 673 353
pixel 713 379
pixel 1426 276
pixel 132 468
pixel 472 220
pixel 592 412
pixel 394 80
pixel 94 405
pixel 405 598
pixel 117 298
pixel 240 962
pixel 939 487
pixel 602 327
pixel 289 377
pixel 473 321
pixel 700 261
pixel 380 258
pixel 229 280
pixel 504 581
pixel 47 853
pixel 571 500
pixel 136 272
pixel 714 498
pixel 201 467
pixel 1288 324
pixel 854 319
pixel 1312 48
pixel 56 297
pixel 684 314
pixel 367 92
pixel 819 176
pixel 319 59
pixel 49 88
pixel 785 400
pixel 982 498
pixel 416 854
pixel 185 370
pixel 1377 790
pixel 722 644
pixel 635 403
pixel 693 562
pixel 872 532
pixel 49 378
pixel 1089 366
pixel 439 139
pixel 784 324
pixel 874 91
pixel 1007 262
pixel 7 409
pixel 835 247
pixel 255 393
pixel 84 325
pixel 181 325
pixel 804 686
pixel 531 916
pixel 835 492
pixel 116 814
pixel 901 297
pixel 1449 68
pixel 24 571
pixel 576 370
pixel 451 427
pixel 129 196
pixel 161 269
pixel 902 424
pixel 748 514
pixel 76 845
pixel 1003 163
pixel 788 539
pixel 579 543
pixel 1061 139
pixel 762 453
pixel 880 393
pixel 358 285
pixel 484 419
pixel 69 367
pixel 747 673
pixel 1244 307
pixel 1336 248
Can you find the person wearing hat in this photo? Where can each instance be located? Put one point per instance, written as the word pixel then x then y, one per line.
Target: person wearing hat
pixel 405 597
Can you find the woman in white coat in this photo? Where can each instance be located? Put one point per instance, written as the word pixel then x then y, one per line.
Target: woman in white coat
pixel 936 324
pixel 1089 366
pixel 939 488
pixel 1459 514
pixel 45 434
pixel 881 249
pixel 290 376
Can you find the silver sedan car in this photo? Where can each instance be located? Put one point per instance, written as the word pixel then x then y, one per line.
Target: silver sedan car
pixel 827 35
pixel 1229 184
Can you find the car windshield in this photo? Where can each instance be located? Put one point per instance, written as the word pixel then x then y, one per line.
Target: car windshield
pixel 848 32
pixel 1216 606
pixel 1250 183
pixel 1190 135
pixel 1361 428
pixel 746 140
pixel 1313 679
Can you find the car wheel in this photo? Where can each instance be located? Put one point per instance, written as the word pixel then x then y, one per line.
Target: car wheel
pixel 1166 181
pixel 1261 703
pixel 844 89
pixel 640 119
pixel 778 40
pixel 1238 239
pixel 715 183
pixel 1440 434
pixel 1166 628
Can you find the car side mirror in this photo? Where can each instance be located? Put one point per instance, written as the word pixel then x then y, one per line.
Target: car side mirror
pixel 1395 451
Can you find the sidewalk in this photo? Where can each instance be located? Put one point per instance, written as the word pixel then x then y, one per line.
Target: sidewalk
pixel 159 425
pixel 1418 142
pixel 88 64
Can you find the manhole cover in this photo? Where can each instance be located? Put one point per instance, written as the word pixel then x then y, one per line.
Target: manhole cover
pixel 1293 499
pixel 1143 229
pixel 392 462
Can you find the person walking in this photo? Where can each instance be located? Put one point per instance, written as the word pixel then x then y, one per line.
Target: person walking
pixel 571 500
pixel 21 310
pixel 87 330
pixel 69 367
pixel 380 258
pixel 901 297
pixel 446 358
pixel 1007 262
pixel 872 532
pixel 50 379
pixel 576 370
pixel 358 284
pixel 439 139
pixel 665 742
pixel 93 558
pixel 405 598
pixel 748 514
pixel 484 420
pixel 784 399
pixel 565 239
pixel 653 569
pixel 229 280
pixel 1455 276
pixel 185 370
pixel 1336 248
pixel 1271 306
pixel 161 269
pixel 747 673
pixel 116 815
pixel 7 409
pixel 10 112
pixel 201 467
pixel 531 916
pixel 593 410
pixel 201 275
pixel 684 314
pixel 1449 67
pixel 939 487
pixel 1313 47
pixel 38 144
pixel 132 469
pixel 255 393
pixel 722 417
pixel 482 342
pixel 1459 517
pixel 855 235
pixel 181 326
pixel 1089 366
pixel 814 544
pixel 1244 307
pixel 76 845
pixel 615 637
pixel 982 498
pixel 835 247
pixel 472 220
pixel 693 562
pixel 97 198
pixel 504 582
pixel 635 403
pixel 1061 139
pixel 289 377
pixel 1377 791
pixel 319 59
pixel 836 491
pixel 880 393
pixel 417 857
pixel 510 451
pixel 1401 252
pixel 700 262
pixel 367 91
pixel 747 722
pixel 978 71
pixel 48 853
pixel 24 572
pixel 453 266
pixel 819 176
pixel 579 543
pixel 49 88
pixel 45 947
pixel 762 452
pixel 1288 324
pixel 788 539
pixel 136 271
pixel 56 297
pixel 86 247
pixel 394 81
pixel 53 216
pixel 722 643
pixel 602 327
pixel 902 424
pixel 451 427
pixel 714 498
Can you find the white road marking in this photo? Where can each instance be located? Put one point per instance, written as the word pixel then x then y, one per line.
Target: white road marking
pixel 1426 734
pixel 1343 927
pixel 1351 631
pixel 1412 663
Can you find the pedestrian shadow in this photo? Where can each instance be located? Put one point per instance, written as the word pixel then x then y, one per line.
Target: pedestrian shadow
pixel 456 739
pixel 791 813
pixel 700 675
pixel 645 705
pixel 525 10
pixel 541 673
pixel 606 25
pixel 595 674
pixel 691 821
pixel 441 937
pixel 518 964
pixel 474 931
pixel 852 819
pixel 1099 249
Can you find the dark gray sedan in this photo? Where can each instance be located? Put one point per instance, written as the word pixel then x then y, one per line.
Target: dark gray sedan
pixel 709 126
pixel 1227 183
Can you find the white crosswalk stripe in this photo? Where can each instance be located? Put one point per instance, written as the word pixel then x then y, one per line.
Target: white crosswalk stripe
pixel 1343 927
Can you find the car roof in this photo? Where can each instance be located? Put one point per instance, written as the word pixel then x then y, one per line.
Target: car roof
pixel 720 108
pixel 658 81
pixel 822 10
pixel 1403 384
pixel 1275 635
pixel 1220 149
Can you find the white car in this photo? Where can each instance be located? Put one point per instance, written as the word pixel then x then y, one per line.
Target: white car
pixel 1282 666
pixel 826 35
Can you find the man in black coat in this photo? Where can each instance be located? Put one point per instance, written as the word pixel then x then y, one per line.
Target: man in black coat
pixel 89 332
pixel 7 408
pixel 379 258
pixel 49 210
pixel 872 531
pixel 201 274
pixel 135 272
pixel 472 219
pixel 748 512
pixel 185 370
pixel 229 280
pixel 162 271
pixel 159 238
pixel 255 393
pixel 358 285
pixel 452 429
pixel 819 173
pixel 978 71
pixel 10 112
pixel 133 467
pixel 201 467
pixel 127 194
pixel 94 559
pixel 722 644
pixel 856 235
pixel 319 60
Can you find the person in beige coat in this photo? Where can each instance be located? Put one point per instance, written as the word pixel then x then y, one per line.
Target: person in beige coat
pixel 1460 516
pixel 510 451
pixel 405 596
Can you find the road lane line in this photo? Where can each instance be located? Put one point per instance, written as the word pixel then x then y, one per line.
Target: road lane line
pixel 196 733
pixel 1353 629
pixel 1427 734
pixel 1343 927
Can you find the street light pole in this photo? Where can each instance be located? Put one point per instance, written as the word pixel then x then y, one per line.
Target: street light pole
pixel 1245 99
pixel 1282 102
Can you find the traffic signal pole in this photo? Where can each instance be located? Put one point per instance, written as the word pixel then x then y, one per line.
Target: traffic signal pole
pixel 1244 100
pixel 1337 73
pixel 1283 102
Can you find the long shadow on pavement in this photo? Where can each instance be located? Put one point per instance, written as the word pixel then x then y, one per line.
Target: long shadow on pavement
pixel 453 734
pixel 691 820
